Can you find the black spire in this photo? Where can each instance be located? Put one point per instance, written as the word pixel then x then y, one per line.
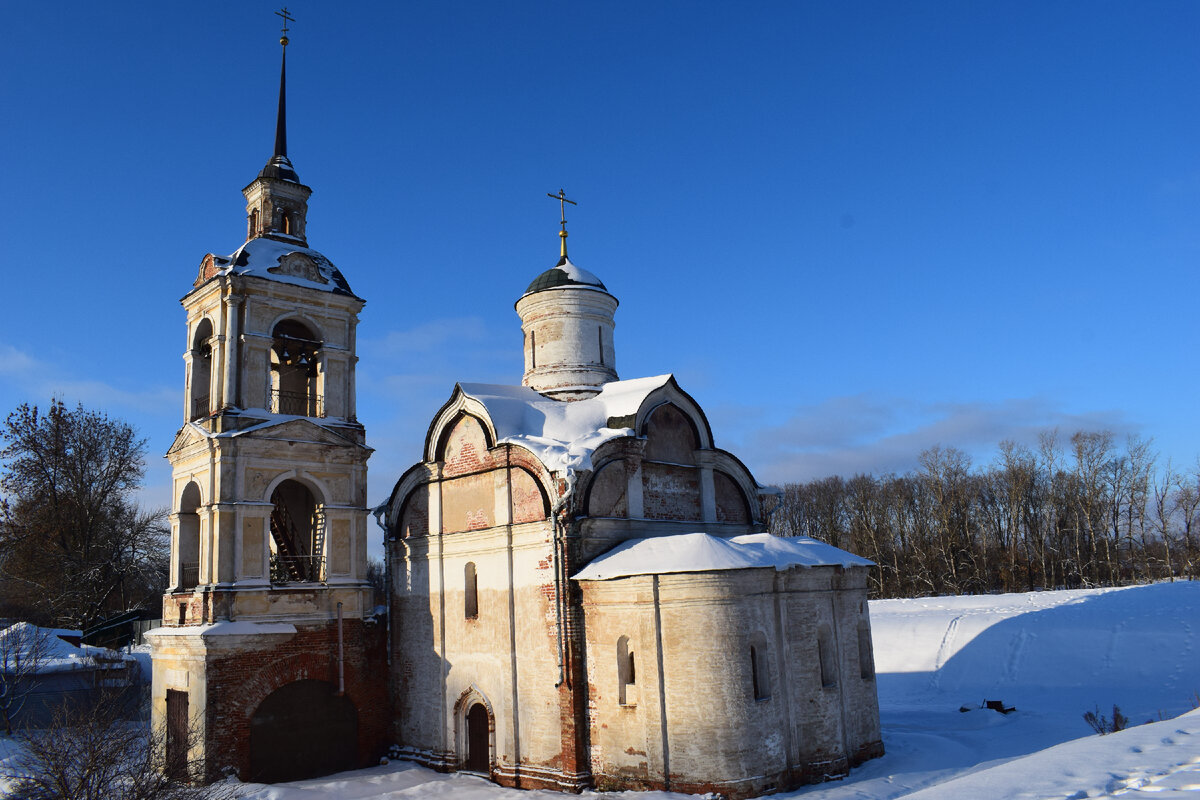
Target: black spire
pixel 279 167
pixel 281 120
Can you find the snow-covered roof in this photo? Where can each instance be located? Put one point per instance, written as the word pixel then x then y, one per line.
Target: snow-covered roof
pixel 563 435
pixel 225 628
pixel 50 651
pixel 703 552
pixel 265 257
pixel 564 274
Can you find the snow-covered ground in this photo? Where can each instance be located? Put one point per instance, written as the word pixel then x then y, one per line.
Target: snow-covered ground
pixel 1052 655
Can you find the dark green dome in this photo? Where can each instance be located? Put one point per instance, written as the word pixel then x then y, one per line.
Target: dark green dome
pixel 564 274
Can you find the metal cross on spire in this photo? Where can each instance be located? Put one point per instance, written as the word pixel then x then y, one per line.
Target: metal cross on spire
pixel 286 17
pixel 561 197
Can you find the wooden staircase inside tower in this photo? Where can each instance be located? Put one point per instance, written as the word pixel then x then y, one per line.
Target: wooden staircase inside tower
pixel 283 531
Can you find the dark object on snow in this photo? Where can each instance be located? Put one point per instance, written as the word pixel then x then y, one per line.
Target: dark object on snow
pixel 1101 725
pixel 994 705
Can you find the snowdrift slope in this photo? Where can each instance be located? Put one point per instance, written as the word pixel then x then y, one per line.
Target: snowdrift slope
pixel 1053 655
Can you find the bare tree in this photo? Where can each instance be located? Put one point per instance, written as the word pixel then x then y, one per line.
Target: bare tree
pixel 1187 507
pixel 95 751
pixel 73 544
pixel 24 650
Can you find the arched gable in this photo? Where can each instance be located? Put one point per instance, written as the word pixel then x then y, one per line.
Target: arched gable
pixel 447 417
pixel 670 392
pixel 463 444
pixel 671 435
pixel 607 490
pixel 730 500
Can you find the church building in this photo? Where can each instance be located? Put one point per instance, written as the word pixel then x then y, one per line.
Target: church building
pixel 583 592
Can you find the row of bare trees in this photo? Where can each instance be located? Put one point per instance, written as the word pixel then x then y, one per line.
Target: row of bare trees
pixel 1069 513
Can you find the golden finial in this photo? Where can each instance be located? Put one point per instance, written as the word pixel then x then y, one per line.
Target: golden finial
pixel 561 197
pixel 286 17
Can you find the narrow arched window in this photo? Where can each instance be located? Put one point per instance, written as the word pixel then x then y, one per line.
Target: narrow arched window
pixel 827 656
pixel 470 592
pixel 201 378
pixel 760 675
pixel 253 224
pixel 533 349
pixel 866 661
pixel 287 223
pixel 626 673
pixel 600 340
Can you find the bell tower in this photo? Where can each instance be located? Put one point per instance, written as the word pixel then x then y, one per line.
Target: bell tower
pixel 268 596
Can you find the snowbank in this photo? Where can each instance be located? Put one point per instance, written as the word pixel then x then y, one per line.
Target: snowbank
pixel 1052 654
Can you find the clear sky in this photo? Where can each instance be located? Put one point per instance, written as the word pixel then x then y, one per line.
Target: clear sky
pixel 852 230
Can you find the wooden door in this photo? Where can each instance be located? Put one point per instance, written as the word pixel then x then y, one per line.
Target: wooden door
pixel 478 746
pixel 177 734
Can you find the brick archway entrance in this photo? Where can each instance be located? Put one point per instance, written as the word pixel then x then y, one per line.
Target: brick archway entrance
pixel 301 730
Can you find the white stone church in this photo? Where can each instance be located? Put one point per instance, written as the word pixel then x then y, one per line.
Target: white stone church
pixel 582 591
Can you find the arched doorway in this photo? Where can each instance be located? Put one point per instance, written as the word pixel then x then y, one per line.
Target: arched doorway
pixel 302 730
pixel 478 740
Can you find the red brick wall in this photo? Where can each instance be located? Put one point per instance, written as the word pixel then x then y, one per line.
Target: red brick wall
pixel 238 683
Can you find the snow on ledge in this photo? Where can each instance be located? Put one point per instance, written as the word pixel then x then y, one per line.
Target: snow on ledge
pixel 703 552
pixel 225 629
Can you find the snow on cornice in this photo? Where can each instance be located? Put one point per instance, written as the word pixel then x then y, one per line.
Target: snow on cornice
pixel 563 434
pixel 263 420
pixel 225 628
pixel 703 552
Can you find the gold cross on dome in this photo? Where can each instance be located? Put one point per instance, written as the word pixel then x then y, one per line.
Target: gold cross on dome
pixel 561 197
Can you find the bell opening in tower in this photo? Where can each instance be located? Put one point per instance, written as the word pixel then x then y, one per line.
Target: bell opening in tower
pixel 296 371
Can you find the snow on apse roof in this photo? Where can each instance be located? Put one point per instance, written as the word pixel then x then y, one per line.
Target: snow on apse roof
pixel 563 434
pixel 703 552
pixel 264 257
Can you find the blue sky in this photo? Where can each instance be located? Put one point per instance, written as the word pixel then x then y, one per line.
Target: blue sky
pixel 852 230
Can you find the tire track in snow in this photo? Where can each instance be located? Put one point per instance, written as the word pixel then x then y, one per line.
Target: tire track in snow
pixel 945 650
